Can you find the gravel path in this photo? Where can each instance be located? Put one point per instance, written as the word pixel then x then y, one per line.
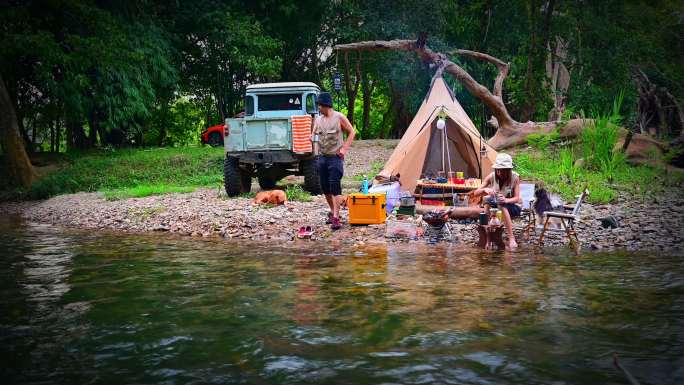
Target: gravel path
pixel 210 213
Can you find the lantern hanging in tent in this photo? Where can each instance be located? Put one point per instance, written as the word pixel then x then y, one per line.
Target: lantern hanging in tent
pixel 441 123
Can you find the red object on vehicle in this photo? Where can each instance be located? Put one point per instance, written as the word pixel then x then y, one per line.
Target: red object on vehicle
pixel 213 135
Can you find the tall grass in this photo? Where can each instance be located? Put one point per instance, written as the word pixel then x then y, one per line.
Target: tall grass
pixel 145 190
pixel 567 165
pixel 603 169
pixel 296 193
pixel 599 140
pixel 115 171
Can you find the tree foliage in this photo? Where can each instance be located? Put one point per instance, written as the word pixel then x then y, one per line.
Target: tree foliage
pixel 83 73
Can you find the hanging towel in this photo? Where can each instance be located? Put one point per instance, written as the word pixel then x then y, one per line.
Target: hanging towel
pixel 301 134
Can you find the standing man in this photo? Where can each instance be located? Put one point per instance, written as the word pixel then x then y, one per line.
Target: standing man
pixel 331 147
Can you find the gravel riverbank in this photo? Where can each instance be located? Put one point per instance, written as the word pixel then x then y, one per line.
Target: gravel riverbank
pixel 655 224
pixel 209 213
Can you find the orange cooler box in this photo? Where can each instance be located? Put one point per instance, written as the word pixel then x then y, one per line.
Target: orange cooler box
pixel 366 209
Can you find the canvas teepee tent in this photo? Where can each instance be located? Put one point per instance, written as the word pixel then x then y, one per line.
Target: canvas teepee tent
pixel 421 151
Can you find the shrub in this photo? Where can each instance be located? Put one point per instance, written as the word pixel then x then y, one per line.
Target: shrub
pixel 297 193
pixel 566 164
pixel 543 141
pixel 599 140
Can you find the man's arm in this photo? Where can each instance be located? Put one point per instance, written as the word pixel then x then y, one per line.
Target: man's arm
pixel 346 127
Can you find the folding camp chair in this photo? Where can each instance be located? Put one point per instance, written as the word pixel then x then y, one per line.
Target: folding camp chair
pixel 567 221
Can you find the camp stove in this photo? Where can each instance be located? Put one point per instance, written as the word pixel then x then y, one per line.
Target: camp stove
pixel 437 227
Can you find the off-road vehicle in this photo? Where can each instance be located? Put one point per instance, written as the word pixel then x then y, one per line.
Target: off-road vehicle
pixel 261 144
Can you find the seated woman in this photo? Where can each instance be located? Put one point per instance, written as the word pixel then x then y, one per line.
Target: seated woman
pixel 502 190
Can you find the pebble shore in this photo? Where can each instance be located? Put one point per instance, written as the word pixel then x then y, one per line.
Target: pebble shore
pixel 209 213
pixel 651 223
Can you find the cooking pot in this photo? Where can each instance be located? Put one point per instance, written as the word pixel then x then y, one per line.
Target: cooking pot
pixel 407 201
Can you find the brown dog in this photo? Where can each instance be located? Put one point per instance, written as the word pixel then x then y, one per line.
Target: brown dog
pixel 274 197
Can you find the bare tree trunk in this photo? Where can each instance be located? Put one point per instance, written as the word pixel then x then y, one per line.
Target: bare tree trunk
pixel 53 128
pixel 659 112
pixel 32 145
pixel 75 134
pixel 93 127
pixel 17 162
pixel 528 108
pixel 367 86
pixel 58 134
pixel 352 91
pixel 398 110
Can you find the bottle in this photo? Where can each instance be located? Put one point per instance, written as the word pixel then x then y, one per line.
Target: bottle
pixel 364 186
pixel 484 219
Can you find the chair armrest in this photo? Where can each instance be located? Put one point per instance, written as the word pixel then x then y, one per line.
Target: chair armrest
pixel 554 214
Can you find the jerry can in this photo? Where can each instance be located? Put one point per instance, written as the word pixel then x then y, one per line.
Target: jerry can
pixel 366 209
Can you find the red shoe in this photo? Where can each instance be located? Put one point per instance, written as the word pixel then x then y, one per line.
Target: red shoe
pixel 305 232
pixel 335 223
pixel 301 233
pixel 309 231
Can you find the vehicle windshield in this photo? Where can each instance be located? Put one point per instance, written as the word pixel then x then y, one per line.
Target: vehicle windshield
pixel 278 102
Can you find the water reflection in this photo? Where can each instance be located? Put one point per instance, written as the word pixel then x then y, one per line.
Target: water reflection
pixel 107 308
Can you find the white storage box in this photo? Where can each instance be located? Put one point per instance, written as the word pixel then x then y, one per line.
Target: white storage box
pixel 391 190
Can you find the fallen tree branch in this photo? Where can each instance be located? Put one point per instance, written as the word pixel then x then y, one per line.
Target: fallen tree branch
pixel 509 132
pixel 492 101
pixel 503 67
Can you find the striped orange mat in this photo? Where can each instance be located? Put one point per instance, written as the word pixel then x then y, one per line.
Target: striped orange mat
pixel 301 134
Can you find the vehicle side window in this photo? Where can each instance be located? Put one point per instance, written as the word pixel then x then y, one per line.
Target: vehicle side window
pixel 249 105
pixel 311 104
pixel 280 102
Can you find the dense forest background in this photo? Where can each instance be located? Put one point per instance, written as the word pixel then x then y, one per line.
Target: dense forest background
pixel 88 73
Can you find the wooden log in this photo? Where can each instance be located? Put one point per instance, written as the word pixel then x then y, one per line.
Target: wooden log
pixel 454 212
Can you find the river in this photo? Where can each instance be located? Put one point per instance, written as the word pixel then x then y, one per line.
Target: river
pixel 82 307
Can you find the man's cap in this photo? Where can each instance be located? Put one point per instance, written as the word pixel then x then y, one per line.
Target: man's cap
pixel 324 99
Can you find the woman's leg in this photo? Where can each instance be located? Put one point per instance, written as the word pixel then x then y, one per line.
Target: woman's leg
pixel 512 244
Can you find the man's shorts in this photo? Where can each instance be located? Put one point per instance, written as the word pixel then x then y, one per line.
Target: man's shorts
pixel 330 171
pixel 513 209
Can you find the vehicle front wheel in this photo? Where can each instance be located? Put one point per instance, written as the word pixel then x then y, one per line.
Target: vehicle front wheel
pixel 215 139
pixel 312 182
pixel 235 180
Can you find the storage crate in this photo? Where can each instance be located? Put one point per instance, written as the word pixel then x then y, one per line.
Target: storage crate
pixel 366 209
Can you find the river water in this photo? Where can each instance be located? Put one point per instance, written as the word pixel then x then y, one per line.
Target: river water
pixel 102 308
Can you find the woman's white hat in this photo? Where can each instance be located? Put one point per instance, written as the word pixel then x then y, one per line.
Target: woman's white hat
pixel 503 161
